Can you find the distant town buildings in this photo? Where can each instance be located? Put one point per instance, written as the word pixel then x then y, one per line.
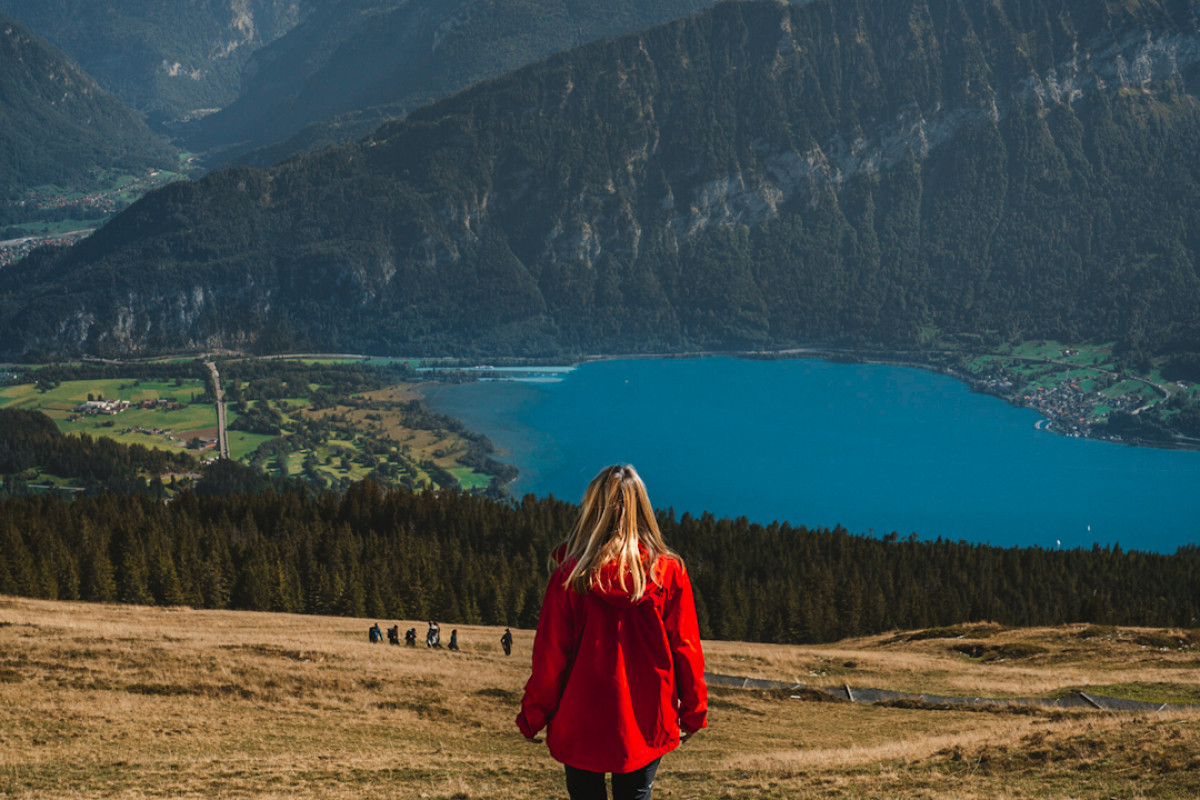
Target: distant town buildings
pixel 94 407
pixel 16 249
pixel 169 405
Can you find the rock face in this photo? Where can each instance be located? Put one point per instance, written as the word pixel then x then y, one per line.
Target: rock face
pixel 759 175
pixel 352 65
pixel 168 60
pixel 59 126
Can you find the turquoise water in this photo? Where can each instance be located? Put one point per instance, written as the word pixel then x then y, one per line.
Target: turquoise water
pixel 872 448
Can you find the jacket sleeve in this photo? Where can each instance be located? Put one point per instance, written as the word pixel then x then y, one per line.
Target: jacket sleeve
pixel 553 652
pixel 683 632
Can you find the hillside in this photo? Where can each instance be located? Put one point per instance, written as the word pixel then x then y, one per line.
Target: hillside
pixel 59 126
pixel 756 176
pixel 397 552
pixel 166 60
pixel 130 701
pixel 364 62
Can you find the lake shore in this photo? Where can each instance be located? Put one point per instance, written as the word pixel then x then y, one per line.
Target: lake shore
pixel 1068 409
pixel 871 447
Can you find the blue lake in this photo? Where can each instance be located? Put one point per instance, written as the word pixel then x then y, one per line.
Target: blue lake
pixel 872 448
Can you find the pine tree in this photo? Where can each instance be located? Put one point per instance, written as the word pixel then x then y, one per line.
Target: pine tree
pixel 133 572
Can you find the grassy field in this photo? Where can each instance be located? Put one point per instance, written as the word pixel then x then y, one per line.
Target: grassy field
pixel 243 443
pixel 130 702
pixel 383 419
pixel 378 417
pixel 154 427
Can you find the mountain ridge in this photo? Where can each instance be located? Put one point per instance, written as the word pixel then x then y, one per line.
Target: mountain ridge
pixel 758 175
pixel 165 60
pixel 347 68
pixel 59 125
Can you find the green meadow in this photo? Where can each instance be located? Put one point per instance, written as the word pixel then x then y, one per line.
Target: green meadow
pixel 153 427
pixel 374 434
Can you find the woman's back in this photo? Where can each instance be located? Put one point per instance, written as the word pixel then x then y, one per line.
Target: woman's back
pixel 617 663
pixel 632 659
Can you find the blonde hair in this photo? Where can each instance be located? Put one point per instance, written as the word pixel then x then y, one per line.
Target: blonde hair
pixel 616 524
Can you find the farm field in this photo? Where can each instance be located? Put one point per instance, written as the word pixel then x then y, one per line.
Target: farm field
pixel 161 427
pixel 385 434
pixel 136 702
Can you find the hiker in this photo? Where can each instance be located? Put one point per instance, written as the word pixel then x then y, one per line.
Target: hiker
pixel 454 639
pixel 374 634
pixel 618 672
pixel 506 642
pixel 433 638
pixel 394 634
pixel 410 637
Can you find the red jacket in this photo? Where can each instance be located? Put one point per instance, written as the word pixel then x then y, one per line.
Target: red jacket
pixel 615 679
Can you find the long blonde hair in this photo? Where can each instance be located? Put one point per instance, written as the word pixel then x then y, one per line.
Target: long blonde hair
pixel 616 524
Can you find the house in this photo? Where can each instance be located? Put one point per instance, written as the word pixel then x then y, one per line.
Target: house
pixel 93 407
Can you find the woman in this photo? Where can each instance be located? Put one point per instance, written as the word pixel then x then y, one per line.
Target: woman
pixel 618 673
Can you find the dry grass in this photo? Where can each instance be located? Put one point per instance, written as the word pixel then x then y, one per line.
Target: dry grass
pixel 1072 657
pixel 128 702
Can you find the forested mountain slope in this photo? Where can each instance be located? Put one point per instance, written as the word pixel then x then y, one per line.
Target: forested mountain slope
pixel 56 125
pixel 364 62
pixel 165 59
pixel 757 175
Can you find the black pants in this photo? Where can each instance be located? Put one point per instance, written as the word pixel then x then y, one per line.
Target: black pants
pixel 636 785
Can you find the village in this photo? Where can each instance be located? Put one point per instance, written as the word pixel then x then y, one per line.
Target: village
pixel 13 250
pixel 92 209
pixel 1070 410
pixel 98 405
pixel 1070 407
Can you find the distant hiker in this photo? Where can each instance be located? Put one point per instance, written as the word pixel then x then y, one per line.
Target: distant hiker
pixel 618 673
pixel 374 634
pixel 454 639
pixel 506 642
pixel 433 638
pixel 394 634
pixel 410 637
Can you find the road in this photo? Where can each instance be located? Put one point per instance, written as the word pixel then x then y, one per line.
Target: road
pixel 222 434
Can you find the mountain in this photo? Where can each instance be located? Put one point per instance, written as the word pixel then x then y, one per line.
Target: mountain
pixel 758 175
pixel 57 126
pixel 167 60
pixel 353 64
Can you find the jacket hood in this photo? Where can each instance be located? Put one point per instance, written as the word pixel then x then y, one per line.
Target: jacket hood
pixel 609 589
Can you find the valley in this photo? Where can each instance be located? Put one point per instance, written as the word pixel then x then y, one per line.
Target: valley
pixel 328 422
pixel 58 216
pixel 328 436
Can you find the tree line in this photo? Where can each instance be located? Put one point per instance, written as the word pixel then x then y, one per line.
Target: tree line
pixel 467 559
pixel 30 441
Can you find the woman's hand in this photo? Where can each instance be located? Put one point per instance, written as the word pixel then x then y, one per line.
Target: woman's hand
pixel 685 735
